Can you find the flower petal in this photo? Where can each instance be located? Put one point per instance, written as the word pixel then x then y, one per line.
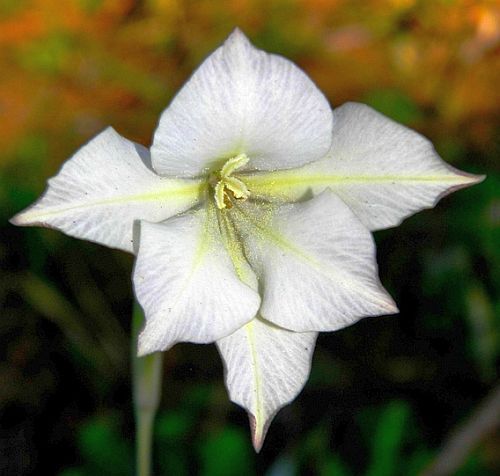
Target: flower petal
pixel 99 193
pixel 187 285
pixel 315 262
pixel 265 368
pixel 384 171
pixel 243 100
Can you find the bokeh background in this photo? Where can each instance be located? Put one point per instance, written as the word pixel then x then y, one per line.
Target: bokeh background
pixel 384 395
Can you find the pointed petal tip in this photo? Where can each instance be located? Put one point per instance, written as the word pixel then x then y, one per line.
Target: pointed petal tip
pixel 469 179
pixel 392 308
pixel 238 35
pixel 387 305
pixel 142 350
pixel 466 180
pixel 258 431
pixel 22 219
pixel 237 39
pixel 477 178
pixel 147 342
pixel 144 347
pixel 386 308
pixel 257 445
pixel 16 220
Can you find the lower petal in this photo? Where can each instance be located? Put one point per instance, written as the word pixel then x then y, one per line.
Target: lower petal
pixel 315 262
pixel 187 284
pixel 266 367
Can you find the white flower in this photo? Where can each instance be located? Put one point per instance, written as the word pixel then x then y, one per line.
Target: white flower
pixel 251 216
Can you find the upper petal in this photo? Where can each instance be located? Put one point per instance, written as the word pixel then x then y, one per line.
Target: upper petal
pixel 316 264
pixel 384 171
pixel 239 100
pixel 106 186
pixel 265 368
pixel 187 284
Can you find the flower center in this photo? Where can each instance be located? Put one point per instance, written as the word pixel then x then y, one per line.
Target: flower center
pixel 228 187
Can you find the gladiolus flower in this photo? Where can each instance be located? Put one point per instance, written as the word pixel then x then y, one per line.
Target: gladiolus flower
pixel 250 216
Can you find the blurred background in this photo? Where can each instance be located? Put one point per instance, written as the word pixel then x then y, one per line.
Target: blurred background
pixel 384 395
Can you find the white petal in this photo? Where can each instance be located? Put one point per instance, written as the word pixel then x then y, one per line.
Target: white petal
pixel 315 262
pixel 384 171
pixel 103 189
pixel 265 368
pixel 243 100
pixel 187 285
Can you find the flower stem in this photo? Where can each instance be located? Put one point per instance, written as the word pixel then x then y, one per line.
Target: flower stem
pixel 146 387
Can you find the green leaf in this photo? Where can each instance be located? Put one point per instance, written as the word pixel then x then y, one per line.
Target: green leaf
pixel 173 426
pixel 104 449
pixel 226 453
pixel 387 439
pixel 334 466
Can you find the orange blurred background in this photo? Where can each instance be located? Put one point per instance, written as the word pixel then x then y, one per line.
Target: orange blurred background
pixel 71 68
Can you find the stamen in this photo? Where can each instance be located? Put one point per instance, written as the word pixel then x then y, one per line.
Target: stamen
pixel 233 164
pixel 236 186
pixel 228 187
pixel 219 195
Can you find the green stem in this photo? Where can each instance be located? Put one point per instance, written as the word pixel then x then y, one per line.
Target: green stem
pixel 146 387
